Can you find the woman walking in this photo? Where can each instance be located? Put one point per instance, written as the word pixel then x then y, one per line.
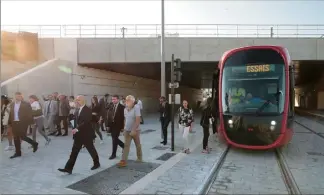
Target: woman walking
pixel 38 118
pixel 96 116
pixel 205 121
pixel 186 118
pixel 5 110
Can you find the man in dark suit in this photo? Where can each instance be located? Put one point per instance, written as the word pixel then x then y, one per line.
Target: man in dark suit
pixel 165 117
pixel 104 102
pixel 20 118
pixel 116 120
pixel 83 134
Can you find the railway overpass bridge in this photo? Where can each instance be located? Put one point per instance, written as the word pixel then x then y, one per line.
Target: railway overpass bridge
pixel 96 53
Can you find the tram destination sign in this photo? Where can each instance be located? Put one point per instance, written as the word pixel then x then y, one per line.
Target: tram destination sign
pixel 262 68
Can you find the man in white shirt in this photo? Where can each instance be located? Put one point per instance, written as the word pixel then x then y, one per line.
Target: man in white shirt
pixel 20 118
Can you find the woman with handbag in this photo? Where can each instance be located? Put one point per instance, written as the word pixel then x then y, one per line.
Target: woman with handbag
pixel 186 118
pixel 206 120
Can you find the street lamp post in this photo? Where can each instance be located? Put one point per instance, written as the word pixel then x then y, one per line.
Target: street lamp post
pixel 162 51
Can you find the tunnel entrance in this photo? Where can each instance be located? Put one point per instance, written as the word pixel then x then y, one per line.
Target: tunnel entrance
pixel 309 87
pixel 196 81
pixel 194 74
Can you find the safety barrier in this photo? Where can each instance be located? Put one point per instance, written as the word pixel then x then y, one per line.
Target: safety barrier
pixel 171 30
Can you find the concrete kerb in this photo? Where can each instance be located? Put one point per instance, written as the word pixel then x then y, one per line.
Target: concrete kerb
pixel 140 185
pixel 208 181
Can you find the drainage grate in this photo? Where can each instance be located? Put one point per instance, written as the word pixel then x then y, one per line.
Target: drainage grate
pixel 315 153
pixel 160 147
pixel 166 156
pixel 114 180
pixel 147 131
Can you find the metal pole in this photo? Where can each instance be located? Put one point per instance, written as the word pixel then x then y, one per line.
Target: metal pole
pixel 162 51
pixel 172 103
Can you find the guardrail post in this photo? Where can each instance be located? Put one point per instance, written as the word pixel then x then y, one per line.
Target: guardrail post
pixel 95 28
pixel 257 31
pixel 115 30
pixel 237 31
pixel 40 31
pixel 80 30
pixel 271 32
pixel 217 33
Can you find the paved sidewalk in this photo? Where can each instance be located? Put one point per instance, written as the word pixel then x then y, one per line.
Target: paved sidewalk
pixel 188 175
pixel 36 173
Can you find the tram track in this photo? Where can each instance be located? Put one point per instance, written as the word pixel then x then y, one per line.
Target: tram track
pixel 215 171
pixel 311 130
pixel 286 175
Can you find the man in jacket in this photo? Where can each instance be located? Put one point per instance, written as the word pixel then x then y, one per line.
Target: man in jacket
pixel 64 111
pixel 116 124
pixel 20 118
pixel 165 117
pixel 83 135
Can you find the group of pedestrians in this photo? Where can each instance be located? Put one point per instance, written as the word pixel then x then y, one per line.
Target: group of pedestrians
pixel 115 115
pixel 186 121
pixel 112 114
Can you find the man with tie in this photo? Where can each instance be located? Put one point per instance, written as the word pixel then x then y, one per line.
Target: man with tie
pixel 50 110
pixel 116 121
pixel 83 134
pixel 20 118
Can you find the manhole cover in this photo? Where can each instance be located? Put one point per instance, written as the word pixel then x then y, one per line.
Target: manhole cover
pixel 147 131
pixel 114 180
pixel 160 147
pixel 315 153
pixel 166 156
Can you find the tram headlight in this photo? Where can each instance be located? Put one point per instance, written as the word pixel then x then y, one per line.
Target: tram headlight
pixel 230 122
pixel 273 123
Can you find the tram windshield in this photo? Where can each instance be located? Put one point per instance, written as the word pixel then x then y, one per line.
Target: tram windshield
pixel 254 83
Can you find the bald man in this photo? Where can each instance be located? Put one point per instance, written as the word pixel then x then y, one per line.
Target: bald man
pixel 83 134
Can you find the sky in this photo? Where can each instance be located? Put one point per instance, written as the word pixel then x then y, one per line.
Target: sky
pixel 149 12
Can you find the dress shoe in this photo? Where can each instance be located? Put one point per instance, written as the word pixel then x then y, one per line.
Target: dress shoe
pixel 15 156
pixel 65 171
pixel 112 157
pixel 58 134
pixel 95 167
pixel 35 147
pixel 51 134
pixel 65 134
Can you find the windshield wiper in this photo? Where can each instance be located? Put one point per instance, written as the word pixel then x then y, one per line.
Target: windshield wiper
pixel 265 104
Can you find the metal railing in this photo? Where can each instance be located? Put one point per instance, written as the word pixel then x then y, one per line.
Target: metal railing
pixel 171 30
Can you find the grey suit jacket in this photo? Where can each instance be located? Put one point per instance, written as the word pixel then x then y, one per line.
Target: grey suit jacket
pixel 50 108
